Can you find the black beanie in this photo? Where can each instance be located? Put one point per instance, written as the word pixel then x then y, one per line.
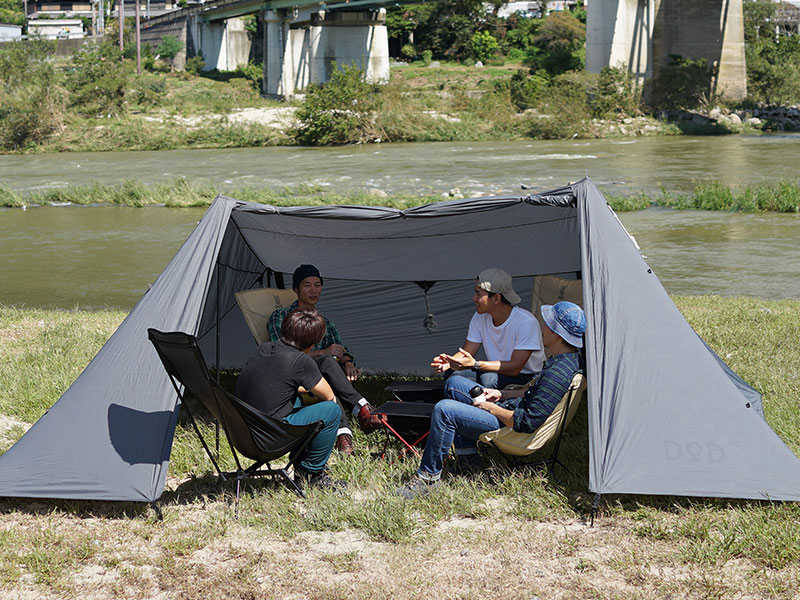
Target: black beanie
pixel 302 272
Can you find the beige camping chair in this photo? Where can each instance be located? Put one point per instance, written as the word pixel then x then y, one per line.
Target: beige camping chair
pixel 513 444
pixel 549 289
pixel 257 305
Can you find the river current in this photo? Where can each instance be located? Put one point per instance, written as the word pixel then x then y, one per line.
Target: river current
pixel 107 256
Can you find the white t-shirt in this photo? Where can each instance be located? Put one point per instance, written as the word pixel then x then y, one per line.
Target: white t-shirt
pixel 520 331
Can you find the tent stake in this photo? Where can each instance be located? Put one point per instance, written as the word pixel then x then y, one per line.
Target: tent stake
pixel 157 509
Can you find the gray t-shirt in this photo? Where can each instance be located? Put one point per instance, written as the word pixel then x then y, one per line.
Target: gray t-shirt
pixel 271 376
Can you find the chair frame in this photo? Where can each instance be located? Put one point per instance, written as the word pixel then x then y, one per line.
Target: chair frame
pixel 521 462
pixel 303 433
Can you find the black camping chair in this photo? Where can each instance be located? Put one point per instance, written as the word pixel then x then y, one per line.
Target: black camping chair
pixel 253 434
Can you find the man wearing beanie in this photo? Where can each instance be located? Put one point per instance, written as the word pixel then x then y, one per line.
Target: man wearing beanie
pixel 510 336
pixel 335 362
pixel 461 420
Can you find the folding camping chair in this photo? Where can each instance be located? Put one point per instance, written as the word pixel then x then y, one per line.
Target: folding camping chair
pixel 513 446
pixel 258 304
pixel 253 434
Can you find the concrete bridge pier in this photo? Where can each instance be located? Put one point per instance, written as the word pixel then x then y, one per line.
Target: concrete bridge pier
pixel 642 34
pixel 302 49
pixel 224 45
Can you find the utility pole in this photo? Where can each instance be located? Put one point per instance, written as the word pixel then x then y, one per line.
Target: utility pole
pixel 121 16
pixel 138 41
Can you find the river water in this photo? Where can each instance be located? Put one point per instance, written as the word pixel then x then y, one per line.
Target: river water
pixel 107 256
pixel 616 166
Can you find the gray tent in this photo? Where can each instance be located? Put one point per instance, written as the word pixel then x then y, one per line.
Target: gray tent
pixel 666 415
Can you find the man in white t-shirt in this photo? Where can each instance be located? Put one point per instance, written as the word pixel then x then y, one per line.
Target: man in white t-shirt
pixel 510 336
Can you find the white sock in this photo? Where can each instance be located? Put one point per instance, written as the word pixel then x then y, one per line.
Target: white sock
pixel 344 431
pixel 357 407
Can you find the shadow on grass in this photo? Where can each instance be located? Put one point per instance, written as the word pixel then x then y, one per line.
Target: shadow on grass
pixel 222 76
pixel 84 509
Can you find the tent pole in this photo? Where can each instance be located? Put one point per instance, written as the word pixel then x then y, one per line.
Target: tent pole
pixel 216 357
pixel 595 505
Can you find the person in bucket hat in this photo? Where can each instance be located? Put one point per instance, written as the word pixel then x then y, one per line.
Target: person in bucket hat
pixel 510 336
pixel 461 420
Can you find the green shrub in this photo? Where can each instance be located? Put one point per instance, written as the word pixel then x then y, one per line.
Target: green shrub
pixel 195 64
pixel 31 94
pixel 773 62
pixel 98 80
pixel 520 36
pixel 409 51
pixel 253 73
pixel 683 83
pixel 566 107
pixel 150 90
pixel 427 57
pixel 617 93
pixel 341 111
pixel 515 55
pixel 169 48
pixel 483 46
pixel 526 90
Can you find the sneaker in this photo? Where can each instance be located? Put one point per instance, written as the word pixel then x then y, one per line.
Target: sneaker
pixel 344 444
pixel 317 480
pixel 367 420
pixel 418 486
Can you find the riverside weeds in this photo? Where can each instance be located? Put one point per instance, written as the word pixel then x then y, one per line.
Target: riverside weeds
pixel 369 543
pixel 780 196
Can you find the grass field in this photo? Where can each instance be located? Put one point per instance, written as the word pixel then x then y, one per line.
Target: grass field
pixel 500 535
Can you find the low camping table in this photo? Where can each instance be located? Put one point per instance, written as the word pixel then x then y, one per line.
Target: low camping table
pixel 417 391
pixel 409 422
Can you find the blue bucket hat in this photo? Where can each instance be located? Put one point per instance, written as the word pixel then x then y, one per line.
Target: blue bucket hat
pixel 566 320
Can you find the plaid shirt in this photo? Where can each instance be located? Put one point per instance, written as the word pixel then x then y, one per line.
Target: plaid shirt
pixel 541 399
pixel 331 333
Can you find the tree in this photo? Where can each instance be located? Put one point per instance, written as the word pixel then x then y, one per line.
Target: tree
pixel 773 61
pixel 31 94
pixel 169 48
pixel 341 111
pixel 483 46
pixel 558 45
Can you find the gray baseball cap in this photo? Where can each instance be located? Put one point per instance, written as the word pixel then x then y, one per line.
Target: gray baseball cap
pixel 497 281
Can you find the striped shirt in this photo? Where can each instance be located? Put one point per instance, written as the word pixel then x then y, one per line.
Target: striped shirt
pixel 541 399
pixel 331 333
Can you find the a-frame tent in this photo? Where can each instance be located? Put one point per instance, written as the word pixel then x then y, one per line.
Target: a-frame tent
pixel 666 415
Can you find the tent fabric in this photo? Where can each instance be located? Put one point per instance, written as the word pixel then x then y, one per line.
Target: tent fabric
pixel 666 415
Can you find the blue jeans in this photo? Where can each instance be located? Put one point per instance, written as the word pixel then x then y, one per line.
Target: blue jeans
pixel 458 385
pixel 453 423
pixel 319 448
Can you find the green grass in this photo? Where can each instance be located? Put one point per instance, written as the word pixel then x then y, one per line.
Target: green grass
pixel 662 546
pixel 781 196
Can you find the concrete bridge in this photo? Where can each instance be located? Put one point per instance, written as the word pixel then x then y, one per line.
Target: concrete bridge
pixel 301 39
pixel 641 34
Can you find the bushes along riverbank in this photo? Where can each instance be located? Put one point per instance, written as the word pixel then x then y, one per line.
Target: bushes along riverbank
pixel 332 545
pixel 95 102
pixel 781 196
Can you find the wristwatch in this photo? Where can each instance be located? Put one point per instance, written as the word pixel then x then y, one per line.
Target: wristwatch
pixel 476 366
